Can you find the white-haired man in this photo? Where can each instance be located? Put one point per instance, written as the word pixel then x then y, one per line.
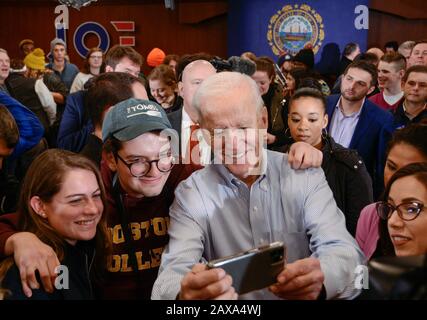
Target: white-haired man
pixel 251 197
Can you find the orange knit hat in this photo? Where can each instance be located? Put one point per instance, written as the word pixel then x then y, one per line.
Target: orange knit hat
pixel 155 57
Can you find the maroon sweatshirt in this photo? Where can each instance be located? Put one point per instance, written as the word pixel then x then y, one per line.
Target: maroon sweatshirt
pixel 148 220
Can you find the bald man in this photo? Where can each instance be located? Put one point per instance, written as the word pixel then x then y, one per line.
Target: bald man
pixel 418 54
pixel 183 120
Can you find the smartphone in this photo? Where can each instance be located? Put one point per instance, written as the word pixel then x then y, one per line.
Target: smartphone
pixel 253 269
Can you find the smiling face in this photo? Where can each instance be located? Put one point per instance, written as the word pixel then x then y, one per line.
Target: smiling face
pixel 146 147
pixel 76 209
pixel 233 119
pixel 408 237
pixel 388 75
pixel 307 119
pixel 356 84
pixel 262 81
pixel 4 66
pixel 161 92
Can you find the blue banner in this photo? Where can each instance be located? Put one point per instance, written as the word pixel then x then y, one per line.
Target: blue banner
pixel 269 27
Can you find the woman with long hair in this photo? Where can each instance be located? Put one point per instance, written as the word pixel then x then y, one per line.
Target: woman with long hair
pixel 408 145
pixel 403 212
pixel 164 88
pixel 62 202
pixel 272 96
pixel 93 65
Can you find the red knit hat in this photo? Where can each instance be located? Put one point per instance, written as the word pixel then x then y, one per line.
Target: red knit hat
pixel 155 57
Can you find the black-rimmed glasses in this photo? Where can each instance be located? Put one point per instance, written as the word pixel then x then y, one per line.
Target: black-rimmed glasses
pixel 407 211
pixel 141 167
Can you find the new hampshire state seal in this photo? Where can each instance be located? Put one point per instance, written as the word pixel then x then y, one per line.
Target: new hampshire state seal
pixel 293 27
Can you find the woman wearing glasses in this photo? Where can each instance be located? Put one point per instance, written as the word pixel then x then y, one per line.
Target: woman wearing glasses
pixel 407 146
pixel 93 66
pixel 403 215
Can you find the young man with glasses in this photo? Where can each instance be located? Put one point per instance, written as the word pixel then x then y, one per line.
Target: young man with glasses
pixel 140 178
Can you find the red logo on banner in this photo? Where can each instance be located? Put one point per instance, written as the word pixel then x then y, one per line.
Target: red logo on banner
pixel 125 26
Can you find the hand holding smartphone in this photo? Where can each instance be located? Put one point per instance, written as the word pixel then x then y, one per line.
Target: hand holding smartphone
pixel 253 269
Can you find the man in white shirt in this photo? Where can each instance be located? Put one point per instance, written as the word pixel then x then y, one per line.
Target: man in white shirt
pixel 391 69
pixel 185 119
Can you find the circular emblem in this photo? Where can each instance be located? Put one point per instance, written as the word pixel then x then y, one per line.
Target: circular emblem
pixel 294 27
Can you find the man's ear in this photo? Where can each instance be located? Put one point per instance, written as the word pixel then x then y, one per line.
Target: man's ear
pixel 181 89
pixel 111 161
pixel 38 206
pixel 371 89
pixel 108 69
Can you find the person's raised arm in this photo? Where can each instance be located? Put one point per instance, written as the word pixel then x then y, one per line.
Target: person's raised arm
pixel 302 156
pixel 30 255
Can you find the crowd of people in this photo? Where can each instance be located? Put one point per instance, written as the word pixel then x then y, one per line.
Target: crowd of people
pixel 133 182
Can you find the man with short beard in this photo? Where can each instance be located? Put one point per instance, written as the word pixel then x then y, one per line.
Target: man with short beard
pixel 357 123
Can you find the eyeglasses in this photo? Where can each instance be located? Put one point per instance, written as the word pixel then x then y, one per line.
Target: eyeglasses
pixel 407 211
pixel 141 167
pixel 95 57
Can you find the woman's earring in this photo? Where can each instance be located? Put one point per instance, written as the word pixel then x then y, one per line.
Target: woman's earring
pixel 324 133
pixel 288 133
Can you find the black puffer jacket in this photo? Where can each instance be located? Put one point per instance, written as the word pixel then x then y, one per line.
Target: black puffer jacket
pixel 348 179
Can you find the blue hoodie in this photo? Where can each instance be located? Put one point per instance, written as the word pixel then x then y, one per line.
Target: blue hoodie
pixel 30 128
